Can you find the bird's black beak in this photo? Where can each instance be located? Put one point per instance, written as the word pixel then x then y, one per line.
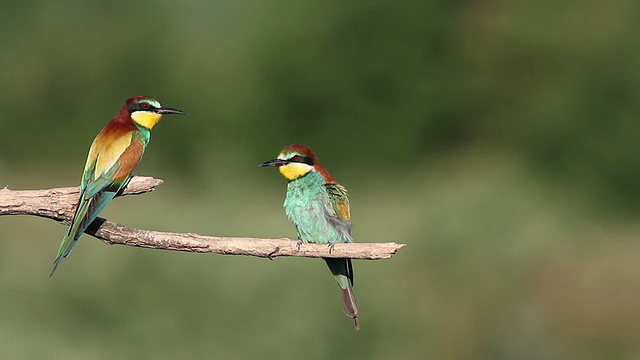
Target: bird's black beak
pixel 168 110
pixel 274 163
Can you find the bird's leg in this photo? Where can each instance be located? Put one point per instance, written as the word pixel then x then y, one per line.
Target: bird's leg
pixel 331 245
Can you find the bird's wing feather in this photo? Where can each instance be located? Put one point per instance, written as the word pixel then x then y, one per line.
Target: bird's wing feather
pixel 113 165
pixel 339 211
pixel 100 184
pixel 90 210
pixel 111 148
pixel 339 199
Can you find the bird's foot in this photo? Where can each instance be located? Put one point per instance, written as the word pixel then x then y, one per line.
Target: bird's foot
pixel 298 244
pixel 272 255
pixel 331 245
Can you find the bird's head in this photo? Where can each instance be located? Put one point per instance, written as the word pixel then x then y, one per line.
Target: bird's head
pixel 146 111
pixel 294 161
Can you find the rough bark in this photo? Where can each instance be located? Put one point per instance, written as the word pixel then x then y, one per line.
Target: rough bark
pixel 59 204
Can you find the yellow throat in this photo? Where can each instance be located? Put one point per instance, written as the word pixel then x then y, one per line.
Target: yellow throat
pixel 293 171
pixel 146 118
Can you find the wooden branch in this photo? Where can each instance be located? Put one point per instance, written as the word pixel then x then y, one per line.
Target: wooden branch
pixel 59 204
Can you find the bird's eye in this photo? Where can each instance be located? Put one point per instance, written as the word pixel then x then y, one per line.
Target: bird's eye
pixel 145 106
pixel 302 159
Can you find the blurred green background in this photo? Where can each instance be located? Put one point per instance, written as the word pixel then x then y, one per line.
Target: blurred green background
pixel 499 139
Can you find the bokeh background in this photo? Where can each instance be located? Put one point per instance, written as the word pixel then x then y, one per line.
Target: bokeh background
pixel 499 139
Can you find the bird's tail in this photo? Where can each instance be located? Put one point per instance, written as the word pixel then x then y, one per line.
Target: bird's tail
pixel 343 273
pixel 349 306
pixel 66 247
pixel 86 212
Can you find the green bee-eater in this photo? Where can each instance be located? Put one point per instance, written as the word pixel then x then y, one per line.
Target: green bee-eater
pixel 319 208
pixel 113 155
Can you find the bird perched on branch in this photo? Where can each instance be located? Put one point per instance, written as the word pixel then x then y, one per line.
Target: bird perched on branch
pixel 113 155
pixel 319 208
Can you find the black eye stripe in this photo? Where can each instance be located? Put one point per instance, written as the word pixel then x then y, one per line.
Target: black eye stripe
pixel 302 159
pixel 138 107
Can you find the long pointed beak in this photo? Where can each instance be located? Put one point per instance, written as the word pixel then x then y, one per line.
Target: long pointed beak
pixel 168 110
pixel 274 163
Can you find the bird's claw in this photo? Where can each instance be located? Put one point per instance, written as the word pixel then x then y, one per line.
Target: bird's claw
pixel 331 246
pixel 272 255
pixel 298 244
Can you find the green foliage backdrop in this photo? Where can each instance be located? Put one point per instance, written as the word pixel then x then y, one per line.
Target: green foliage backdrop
pixel 498 139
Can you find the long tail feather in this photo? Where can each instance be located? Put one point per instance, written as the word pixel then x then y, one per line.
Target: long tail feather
pixel 86 212
pixel 349 306
pixel 67 245
pixel 342 270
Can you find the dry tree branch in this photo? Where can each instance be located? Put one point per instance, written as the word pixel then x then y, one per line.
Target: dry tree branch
pixel 59 204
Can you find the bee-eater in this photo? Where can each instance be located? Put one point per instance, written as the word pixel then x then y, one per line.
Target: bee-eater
pixel 113 155
pixel 319 208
